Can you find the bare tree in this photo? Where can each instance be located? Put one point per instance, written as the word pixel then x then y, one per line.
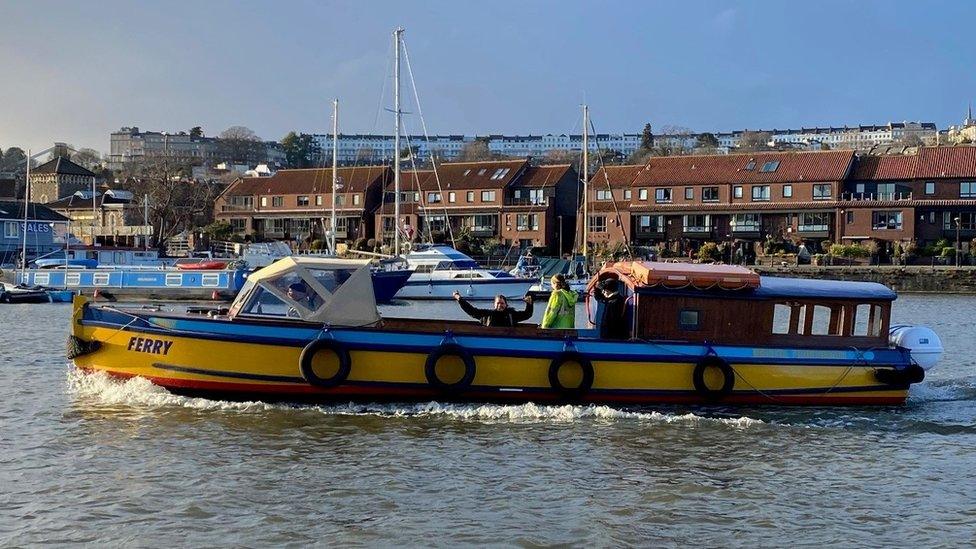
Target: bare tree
pixel 475 151
pixel 176 202
pixel 89 158
pixel 240 144
pixel 754 141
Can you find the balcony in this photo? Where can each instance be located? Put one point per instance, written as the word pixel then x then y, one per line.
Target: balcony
pixel 483 230
pixel 236 208
pixel 526 201
pixel 815 228
pixel 697 230
pixel 876 196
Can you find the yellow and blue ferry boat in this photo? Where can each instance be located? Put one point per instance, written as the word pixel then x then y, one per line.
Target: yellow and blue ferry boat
pixel 307 329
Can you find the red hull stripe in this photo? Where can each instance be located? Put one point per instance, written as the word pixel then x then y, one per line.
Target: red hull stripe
pixel 237 391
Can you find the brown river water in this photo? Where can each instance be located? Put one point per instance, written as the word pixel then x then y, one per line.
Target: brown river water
pixel 89 460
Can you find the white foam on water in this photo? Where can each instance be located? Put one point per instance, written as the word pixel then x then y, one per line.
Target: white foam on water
pixel 107 390
pixel 958 389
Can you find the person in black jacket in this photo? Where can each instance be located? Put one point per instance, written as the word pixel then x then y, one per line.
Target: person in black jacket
pixel 613 323
pixel 502 316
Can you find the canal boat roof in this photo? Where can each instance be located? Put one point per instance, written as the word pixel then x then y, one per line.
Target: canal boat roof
pixel 664 278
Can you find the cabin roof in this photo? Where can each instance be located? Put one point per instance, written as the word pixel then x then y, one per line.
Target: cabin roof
pixel 802 288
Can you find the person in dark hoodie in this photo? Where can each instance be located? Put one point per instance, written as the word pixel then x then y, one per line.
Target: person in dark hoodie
pixel 501 316
pixel 613 324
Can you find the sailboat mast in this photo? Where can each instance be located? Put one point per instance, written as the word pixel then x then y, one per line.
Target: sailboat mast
pixel 396 139
pixel 27 189
pixel 335 171
pixel 586 181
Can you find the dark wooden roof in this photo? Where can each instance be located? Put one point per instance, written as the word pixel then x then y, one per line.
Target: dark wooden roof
pixel 62 166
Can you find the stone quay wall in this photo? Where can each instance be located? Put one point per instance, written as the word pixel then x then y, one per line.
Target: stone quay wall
pixel 906 279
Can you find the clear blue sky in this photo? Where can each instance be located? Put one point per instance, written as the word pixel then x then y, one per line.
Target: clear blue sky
pixel 74 71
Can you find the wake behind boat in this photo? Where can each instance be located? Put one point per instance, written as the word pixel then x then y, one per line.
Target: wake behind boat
pixel 692 334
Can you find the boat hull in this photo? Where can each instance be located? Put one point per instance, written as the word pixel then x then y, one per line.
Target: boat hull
pixel 231 360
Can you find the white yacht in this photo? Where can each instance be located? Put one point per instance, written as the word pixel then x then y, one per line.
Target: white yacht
pixel 439 270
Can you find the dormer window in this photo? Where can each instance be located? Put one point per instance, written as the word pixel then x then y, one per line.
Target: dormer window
pixel 770 166
pixel 751 165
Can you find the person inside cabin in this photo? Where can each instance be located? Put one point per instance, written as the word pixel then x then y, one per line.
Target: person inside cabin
pixel 501 316
pixel 561 310
pixel 300 294
pixel 613 323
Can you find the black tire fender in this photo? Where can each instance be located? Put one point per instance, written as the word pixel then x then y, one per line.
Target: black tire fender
pixel 450 349
pixel 585 384
pixel 313 348
pixel 728 375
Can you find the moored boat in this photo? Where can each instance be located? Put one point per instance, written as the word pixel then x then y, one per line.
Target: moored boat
pixel 696 335
pixel 439 270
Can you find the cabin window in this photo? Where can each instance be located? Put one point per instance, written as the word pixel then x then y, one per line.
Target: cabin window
pixel 689 319
pixel 292 285
pixel 821 321
pixel 210 280
pixel 72 279
pixel 331 279
pixel 100 279
pixel 42 278
pixel 263 302
pixel 867 320
pixel 174 279
pixel 781 318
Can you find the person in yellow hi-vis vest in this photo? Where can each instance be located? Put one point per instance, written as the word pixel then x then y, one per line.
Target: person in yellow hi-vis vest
pixel 561 310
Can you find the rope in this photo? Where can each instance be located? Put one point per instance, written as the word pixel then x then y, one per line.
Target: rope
pixel 423 124
pixel 606 178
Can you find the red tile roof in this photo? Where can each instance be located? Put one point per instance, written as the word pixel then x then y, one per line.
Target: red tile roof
pixel 927 162
pixel 732 168
pixel 619 176
pixel 543 176
pixel 313 180
pixel 463 176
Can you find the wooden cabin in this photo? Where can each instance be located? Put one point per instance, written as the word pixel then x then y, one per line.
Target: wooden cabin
pixel 733 305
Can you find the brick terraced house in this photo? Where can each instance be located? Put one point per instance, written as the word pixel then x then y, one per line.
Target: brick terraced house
pixel 295 204
pixel 508 200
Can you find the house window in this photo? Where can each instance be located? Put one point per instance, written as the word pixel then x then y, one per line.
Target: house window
pixel 967 189
pixel 433 198
pixel 745 223
pixel 689 193
pixel 277 201
pixel 598 223
pixel 930 187
pixel 967 221
pixel 814 222
pixel 760 193
pixel 500 173
pixel 527 222
pixel 452 197
pixel 737 191
pixel 466 173
pixel 787 191
pixel 710 194
pixel 355 199
pixel 886 191
pixel 850 217
pixel 604 195
pixel 318 200
pixel 470 196
pixel 264 201
pixel 11 229
pixel 627 194
pixel 821 192
pixel 482 171
pixel 859 188
pixel 697 223
pixel 751 165
pixel 487 196
pixel 642 194
pixel 662 195
pixel 888 220
pixel 770 166
pixel 303 201
pixel 237 225
pixel 650 223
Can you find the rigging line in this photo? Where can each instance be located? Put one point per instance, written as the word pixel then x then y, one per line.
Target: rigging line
pixel 613 201
pixel 420 192
pixel 423 125
pixel 530 212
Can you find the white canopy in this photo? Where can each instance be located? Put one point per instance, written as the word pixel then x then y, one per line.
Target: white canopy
pixel 314 289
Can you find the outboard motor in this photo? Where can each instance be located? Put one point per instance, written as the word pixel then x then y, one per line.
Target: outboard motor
pixel 922 342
